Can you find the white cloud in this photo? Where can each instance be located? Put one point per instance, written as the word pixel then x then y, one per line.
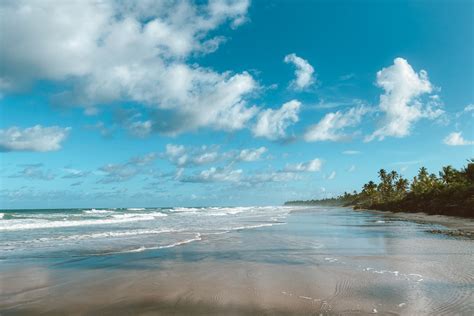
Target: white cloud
pixel 351 168
pixel 304 71
pixel 332 125
pixel 181 156
pixel 215 175
pixel 456 139
pixel 237 177
pixel 36 138
pixel 332 175
pixel 272 124
pixel 469 108
pixel 111 51
pixel 140 128
pixel 71 173
pixel 400 101
pixel 251 154
pixel 310 166
pixel 351 152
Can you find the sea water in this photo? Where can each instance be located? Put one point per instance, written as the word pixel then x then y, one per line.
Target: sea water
pixel 73 232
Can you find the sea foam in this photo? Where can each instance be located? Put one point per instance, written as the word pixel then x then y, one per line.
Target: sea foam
pixel 42 224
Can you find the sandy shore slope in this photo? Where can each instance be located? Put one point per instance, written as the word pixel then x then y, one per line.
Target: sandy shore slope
pixel 457 226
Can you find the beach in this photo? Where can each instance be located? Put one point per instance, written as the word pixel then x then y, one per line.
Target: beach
pixel 232 261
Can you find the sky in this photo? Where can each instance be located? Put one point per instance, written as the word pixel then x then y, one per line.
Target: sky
pixel 197 103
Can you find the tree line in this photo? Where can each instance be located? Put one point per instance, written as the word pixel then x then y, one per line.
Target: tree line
pixel 451 192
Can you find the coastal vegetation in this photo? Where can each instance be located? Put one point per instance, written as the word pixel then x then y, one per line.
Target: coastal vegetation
pixel 451 192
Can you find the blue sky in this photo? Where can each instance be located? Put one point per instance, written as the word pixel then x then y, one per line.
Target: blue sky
pixel 118 104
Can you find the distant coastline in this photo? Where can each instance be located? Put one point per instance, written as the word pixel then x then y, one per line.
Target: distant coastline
pixel 451 193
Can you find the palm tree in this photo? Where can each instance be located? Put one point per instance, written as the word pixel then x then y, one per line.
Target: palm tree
pixel 385 186
pixel 449 175
pixel 421 183
pixel 468 171
pixel 393 175
pixel 401 187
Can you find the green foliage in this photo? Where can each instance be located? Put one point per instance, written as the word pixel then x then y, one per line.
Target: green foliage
pixel 452 193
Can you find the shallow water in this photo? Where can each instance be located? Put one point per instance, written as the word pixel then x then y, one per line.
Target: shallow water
pixel 276 260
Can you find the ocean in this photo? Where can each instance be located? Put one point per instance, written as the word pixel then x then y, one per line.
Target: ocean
pixel 71 232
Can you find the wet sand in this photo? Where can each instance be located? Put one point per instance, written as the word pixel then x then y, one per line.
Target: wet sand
pixel 178 289
pixel 322 261
pixel 451 225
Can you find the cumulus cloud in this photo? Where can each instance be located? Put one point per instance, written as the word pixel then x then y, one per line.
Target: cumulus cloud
pixel 303 72
pixel 182 156
pixel 237 176
pixel 112 51
pixel 36 138
pixel 456 139
pixel 215 175
pixel 400 102
pixel 310 166
pixel 272 124
pixel 332 126
pixel 251 154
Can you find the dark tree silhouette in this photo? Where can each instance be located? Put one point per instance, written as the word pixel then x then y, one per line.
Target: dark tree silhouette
pixel 452 193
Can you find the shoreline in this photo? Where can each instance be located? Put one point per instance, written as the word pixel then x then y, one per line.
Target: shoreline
pixel 455 226
pixel 452 223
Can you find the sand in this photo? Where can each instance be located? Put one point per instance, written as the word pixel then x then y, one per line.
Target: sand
pixel 454 225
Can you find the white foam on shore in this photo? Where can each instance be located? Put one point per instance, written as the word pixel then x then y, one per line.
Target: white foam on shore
pixel 255 226
pixel 184 209
pixel 111 234
pixel 27 224
pixel 408 276
pixel 136 209
pixel 2 215
pixel 197 237
pixel 150 215
pixel 94 211
pixel 104 226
